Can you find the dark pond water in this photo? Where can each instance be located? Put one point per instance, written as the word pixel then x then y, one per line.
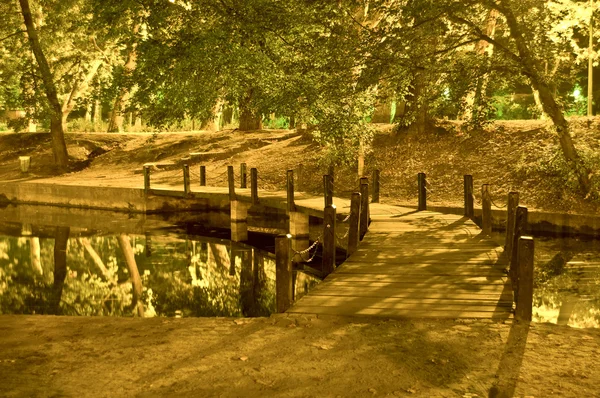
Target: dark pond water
pixel 61 270
pixel 186 270
pixel 566 281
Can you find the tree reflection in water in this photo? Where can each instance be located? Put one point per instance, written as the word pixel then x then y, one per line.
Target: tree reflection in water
pixel 567 282
pixel 114 275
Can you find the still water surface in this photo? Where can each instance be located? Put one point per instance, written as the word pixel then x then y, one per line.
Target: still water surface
pixel 158 274
pixel 58 270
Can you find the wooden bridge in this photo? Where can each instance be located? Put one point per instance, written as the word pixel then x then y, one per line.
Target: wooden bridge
pixel 411 263
pixel 417 264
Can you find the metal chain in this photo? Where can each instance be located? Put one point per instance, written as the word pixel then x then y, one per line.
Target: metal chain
pixel 341 239
pixel 500 207
pixel 307 250
pixel 347 218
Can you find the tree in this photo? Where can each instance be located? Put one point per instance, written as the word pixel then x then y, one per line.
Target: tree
pixel 65 58
pixel 59 148
pixel 524 55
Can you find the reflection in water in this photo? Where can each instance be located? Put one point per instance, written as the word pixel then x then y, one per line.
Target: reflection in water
pixel 567 282
pixel 122 275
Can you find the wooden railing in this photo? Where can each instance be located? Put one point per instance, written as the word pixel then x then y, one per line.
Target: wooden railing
pixel 518 248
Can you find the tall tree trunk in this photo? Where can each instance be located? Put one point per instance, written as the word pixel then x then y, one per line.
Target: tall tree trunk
pixel 79 88
pixel 136 281
pixel 35 255
pixel 97 113
pixel 85 242
pixel 61 238
pixel 217 116
pixel 418 104
pixel 249 118
pixel 115 124
pixel 59 147
pixel 551 107
pixel 473 97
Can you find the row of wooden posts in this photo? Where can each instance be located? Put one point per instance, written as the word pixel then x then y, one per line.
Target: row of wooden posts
pixel 519 249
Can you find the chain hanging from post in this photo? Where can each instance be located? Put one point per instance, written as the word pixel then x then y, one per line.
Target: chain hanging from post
pixel 308 249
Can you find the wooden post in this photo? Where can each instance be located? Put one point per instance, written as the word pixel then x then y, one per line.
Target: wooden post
pixel 375 195
pixel 361 158
pixel 364 207
pixel 254 185
pixel 468 185
pixel 283 273
pixel 291 206
pixel 202 176
pixel 422 192
pixel 511 210
pixel 146 180
pixel 520 228
pixel 524 296
pixel 243 175
pixel 230 183
pixel 186 179
pixel 329 240
pixel 328 189
pixel 486 207
pixel 354 223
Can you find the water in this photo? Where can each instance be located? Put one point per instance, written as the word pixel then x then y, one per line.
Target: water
pixel 566 280
pixel 191 271
pixel 57 270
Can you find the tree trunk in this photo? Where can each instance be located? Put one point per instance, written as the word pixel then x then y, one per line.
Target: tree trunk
pixel 136 281
pixel 85 242
pixel 217 116
pixel 566 310
pixel 97 112
pixel 61 238
pixel 473 97
pixel 418 104
pixel 115 124
pixel 35 255
pixel 78 89
pixel 551 107
pixel 249 118
pixel 59 147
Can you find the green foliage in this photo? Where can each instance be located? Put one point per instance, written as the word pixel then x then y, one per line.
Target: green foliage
pixel 17 125
pixel 576 105
pixel 506 108
pixel 277 123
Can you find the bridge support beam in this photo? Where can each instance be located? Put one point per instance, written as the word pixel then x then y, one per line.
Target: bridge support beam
pixel 239 221
pixel 299 229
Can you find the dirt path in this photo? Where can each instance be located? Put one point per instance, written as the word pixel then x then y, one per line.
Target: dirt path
pixel 293 356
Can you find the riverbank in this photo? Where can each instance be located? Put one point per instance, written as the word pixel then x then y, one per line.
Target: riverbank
pixel 292 356
pixel 509 155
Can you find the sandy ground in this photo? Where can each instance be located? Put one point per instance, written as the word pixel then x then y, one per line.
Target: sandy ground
pixel 294 356
pixel 42 356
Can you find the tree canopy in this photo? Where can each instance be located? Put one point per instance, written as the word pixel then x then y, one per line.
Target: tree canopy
pixel 323 65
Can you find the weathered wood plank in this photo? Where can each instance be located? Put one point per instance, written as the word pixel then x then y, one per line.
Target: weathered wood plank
pixel 399 313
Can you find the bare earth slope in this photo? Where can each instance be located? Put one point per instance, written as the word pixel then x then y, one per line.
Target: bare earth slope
pixel 515 155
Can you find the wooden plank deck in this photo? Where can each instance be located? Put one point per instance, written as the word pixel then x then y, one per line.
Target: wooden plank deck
pixel 416 264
